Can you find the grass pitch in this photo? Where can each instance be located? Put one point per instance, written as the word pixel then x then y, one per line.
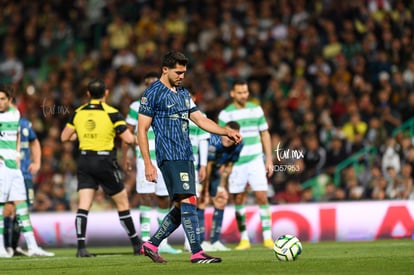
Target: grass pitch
pixel 371 257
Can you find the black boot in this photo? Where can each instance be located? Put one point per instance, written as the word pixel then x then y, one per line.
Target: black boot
pixel 84 253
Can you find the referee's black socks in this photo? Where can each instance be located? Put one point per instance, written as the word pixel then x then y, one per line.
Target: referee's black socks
pixel 128 224
pixel 80 225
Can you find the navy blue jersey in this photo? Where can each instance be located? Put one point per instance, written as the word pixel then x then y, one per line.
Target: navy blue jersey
pixel 220 154
pixel 170 113
pixel 27 135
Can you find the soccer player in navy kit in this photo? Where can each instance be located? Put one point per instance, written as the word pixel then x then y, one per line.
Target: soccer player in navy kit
pixel 222 153
pixel 167 107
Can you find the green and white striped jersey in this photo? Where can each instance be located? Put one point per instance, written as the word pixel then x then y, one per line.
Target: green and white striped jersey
pixel 252 121
pixel 9 127
pixel 132 119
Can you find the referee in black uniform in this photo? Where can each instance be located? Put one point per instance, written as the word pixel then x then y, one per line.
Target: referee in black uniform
pixel 96 124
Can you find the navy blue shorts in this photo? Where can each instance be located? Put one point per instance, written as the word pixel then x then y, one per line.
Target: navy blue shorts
pixel 214 184
pixel 179 177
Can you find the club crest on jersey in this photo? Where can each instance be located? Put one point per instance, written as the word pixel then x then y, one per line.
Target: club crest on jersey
pixel 144 100
pixel 25 132
pixel 184 176
pixel 184 126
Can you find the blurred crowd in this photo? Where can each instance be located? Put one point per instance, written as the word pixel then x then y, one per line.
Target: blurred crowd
pixel 333 78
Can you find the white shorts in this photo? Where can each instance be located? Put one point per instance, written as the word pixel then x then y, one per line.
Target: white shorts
pixel 253 172
pixel 145 187
pixel 12 187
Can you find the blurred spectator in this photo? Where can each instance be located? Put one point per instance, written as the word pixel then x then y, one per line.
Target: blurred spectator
pixel 329 193
pixel 300 16
pixel 58 195
pixel 407 111
pixel 174 22
pixel 357 145
pixel 351 183
pixel 290 194
pixel 104 55
pixel 327 131
pixel 374 174
pixel 408 75
pixel 124 89
pixel 341 73
pixel 42 202
pixel 376 134
pixel 386 112
pixel 119 33
pixel 405 184
pixel 46 42
pixel 148 23
pixel 410 159
pixel 335 154
pixel 354 126
pixel 405 146
pixel 393 181
pixel 333 47
pixel 307 195
pixel 31 61
pixel 342 99
pixel 63 35
pixel 318 66
pixel 354 190
pixel 379 189
pixel 391 157
pixel 314 156
pixel 11 67
pixel 340 194
pixel 124 60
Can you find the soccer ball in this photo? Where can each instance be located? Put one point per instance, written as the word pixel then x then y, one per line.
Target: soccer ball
pixel 287 248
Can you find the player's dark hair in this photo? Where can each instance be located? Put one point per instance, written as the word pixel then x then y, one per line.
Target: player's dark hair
pixel 239 82
pixel 96 88
pixel 172 58
pixel 7 89
pixel 233 125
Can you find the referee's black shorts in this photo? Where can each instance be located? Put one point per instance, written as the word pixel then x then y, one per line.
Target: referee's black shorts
pixel 99 168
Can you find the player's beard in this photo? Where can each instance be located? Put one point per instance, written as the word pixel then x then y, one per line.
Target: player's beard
pixel 242 102
pixel 174 83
